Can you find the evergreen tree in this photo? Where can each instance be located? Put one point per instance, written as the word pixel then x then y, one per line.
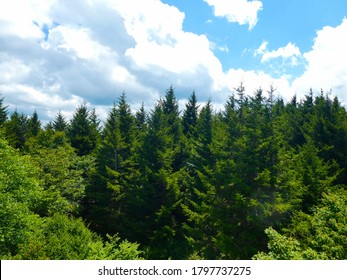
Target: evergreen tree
pixel 17 129
pixel 111 140
pixel 161 193
pixel 81 133
pixel 97 203
pixel 34 124
pixel 141 118
pixel 198 205
pixel 60 124
pixel 3 112
pixel 126 127
pixel 190 117
pixel 95 134
pixel 173 124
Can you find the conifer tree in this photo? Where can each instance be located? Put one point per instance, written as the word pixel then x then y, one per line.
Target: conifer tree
pixel 97 203
pixel 190 117
pixel 126 127
pixel 161 190
pixel 95 128
pixel 81 133
pixel 173 124
pixel 111 140
pixel 199 204
pixel 141 118
pixel 3 112
pixel 34 124
pixel 60 123
pixel 17 130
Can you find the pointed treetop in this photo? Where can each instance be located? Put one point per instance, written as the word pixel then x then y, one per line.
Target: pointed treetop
pixel 35 124
pixel 190 116
pixel 3 112
pixel 170 103
pixel 141 117
pixel 60 123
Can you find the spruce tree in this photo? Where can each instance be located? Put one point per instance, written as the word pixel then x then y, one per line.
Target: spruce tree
pixel 141 118
pixel 34 124
pixel 171 114
pixel 200 193
pixel 3 112
pixel 173 124
pixel 81 133
pixel 60 123
pixel 95 134
pixel 17 129
pixel 126 127
pixel 190 117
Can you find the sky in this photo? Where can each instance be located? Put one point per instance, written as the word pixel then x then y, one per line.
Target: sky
pixel 57 54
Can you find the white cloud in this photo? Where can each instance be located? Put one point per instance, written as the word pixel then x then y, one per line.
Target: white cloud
pixel 54 53
pixel 262 48
pixel 17 17
pixel 239 11
pixel 290 51
pixel 326 63
pixel 94 50
pixel 76 40
pixel 162 45
pixel 12 70
pixel 222 48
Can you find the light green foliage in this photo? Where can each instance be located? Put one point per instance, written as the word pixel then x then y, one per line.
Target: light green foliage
pixel 26 235
pixel 63 238
pixel 281 247
pixel 20 194
pixel 63 177
pixel 321 235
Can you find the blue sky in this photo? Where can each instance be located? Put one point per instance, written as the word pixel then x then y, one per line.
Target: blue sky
pixel 56 54
pixel 279 22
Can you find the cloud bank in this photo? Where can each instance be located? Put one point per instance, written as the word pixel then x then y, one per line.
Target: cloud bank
pixel 54 55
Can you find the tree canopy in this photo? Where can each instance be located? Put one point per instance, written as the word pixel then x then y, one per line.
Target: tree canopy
pixel 260 179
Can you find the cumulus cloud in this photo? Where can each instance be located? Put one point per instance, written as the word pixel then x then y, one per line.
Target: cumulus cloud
pixel 289 52
pixel 54 55
pixel 238 11
pixel 326 63
pixel 162 47
pixel 94 50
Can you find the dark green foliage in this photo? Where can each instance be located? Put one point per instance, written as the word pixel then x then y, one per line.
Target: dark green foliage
pixel 261 175
pixel 141 118
pixel 190 117
pixel 34 124
pixel 82 131
pixel 60 123
pixel 17 130
pixel 3 112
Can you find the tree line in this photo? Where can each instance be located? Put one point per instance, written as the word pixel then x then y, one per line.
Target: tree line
pixel 260 179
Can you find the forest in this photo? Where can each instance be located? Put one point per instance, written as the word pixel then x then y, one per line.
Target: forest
pixel 260 179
